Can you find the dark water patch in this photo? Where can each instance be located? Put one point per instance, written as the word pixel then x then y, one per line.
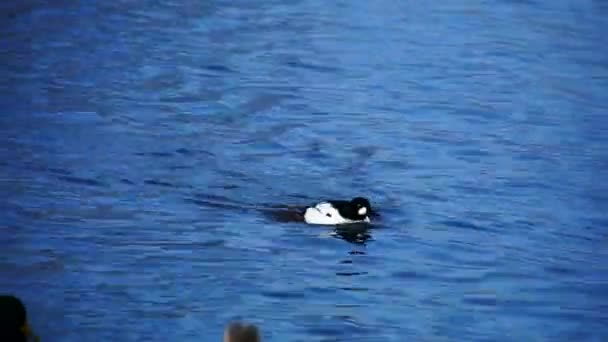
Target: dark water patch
pixel 258 156
pixel 225 186
pixel 283 295
pixel 396 164
pixel 366 152
pixel 269 134
pixel 185 151
pixel 506 276
pixel 215 202
pixel 261 103
pixel 487 299
pixel 87 118
pixel 59 171
pixel 478 153
pixel 180 167
pixel 162 81
pixel 156 154
pixel 156 248
pixel 525 223
pixel 180 99
pixel 238 175
pixel 326 333
pixel 520 2
pixel 525 184
pixel 597 222
pixel 561 270
pixel 458 278
pixel 299 64
pixel 81 181
pixel 9 233
pixel 354 289
pixel 171 313
pixel 211 243
pixel 350 274
pixel 321 290
pixel 410 275
pixel 472 188
pixel 319 113
pixel 581 235
pixel 159 183
pixel 532 156
pixel 218 68
pixel 440 139
pixel 552 311
pixel 37 263
pixel 462 224
pixel 213 197
pixel 347 306
pixel 428 196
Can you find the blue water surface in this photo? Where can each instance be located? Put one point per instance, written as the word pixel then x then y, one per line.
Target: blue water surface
pixel 142 142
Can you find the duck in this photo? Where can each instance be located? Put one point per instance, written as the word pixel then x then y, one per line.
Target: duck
pixel 336 212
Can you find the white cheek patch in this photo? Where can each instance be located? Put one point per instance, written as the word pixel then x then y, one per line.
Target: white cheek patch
pixel 362 211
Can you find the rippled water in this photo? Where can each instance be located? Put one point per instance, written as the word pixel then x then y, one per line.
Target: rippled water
pixel 141 144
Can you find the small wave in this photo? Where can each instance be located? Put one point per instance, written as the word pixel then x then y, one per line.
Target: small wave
pixel 461 224
pixel 159 183
pixel 81 180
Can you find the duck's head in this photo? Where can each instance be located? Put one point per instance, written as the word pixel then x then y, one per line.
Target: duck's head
pixel 339 212
pixel 361 207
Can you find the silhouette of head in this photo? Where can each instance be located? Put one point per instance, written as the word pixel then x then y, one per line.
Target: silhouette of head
pixel 238 332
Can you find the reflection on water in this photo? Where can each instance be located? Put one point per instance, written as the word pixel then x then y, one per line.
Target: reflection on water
pixel 353 233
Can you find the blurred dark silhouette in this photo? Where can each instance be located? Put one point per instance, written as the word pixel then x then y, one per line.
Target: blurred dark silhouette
pixel 13 321
pixel 239 332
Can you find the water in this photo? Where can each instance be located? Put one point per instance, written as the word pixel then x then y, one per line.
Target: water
pixel 141 144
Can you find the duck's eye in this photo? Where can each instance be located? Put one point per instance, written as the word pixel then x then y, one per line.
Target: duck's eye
pixel 328 215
